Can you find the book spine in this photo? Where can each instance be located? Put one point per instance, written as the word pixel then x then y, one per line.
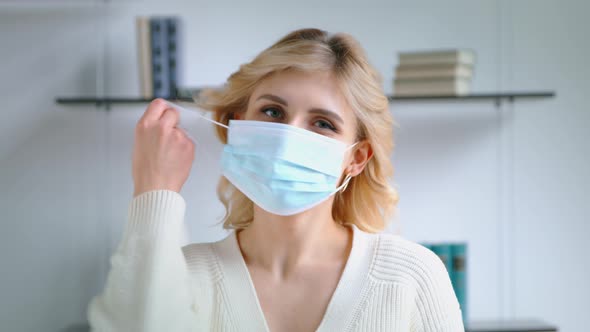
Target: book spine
pixel 144 56
pixel 454 87
pixel 445 80
pixel 459 280
pixel 443 251
pixel 426 245
pixel 466 57
pixel 433 72
pixel 159 58
pixel 172 46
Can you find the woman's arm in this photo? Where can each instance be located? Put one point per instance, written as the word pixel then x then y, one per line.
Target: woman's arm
pixel 148 287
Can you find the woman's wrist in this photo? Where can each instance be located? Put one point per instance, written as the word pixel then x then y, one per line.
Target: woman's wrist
pixel 143 189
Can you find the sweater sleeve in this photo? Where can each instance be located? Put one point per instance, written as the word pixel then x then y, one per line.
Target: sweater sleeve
pixel 148 286
pixel 437 308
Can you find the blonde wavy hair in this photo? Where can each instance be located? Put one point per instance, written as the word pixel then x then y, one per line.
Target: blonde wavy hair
pixel 369 200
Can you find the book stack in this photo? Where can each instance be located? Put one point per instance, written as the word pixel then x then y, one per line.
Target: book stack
pixel 158 45
pixel 454 257
pixel 434 73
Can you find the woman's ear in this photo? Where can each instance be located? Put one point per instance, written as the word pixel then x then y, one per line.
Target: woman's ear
pixel 360 157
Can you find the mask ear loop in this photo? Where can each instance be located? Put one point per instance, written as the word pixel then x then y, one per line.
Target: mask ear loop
pixel 352 145
pixel 344 184
pixel 196 111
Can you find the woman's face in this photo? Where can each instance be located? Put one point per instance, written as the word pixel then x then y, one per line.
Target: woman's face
pixel 307 100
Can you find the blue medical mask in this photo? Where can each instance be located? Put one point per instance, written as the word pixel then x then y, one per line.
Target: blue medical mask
pixel 282 168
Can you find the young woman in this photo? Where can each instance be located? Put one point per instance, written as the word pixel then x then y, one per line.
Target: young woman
pixel 306 168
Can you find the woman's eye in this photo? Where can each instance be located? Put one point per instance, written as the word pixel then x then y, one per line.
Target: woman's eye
pixel 322 124
pixel 272 112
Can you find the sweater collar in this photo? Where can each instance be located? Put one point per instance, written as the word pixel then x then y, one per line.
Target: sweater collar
pixel 245 309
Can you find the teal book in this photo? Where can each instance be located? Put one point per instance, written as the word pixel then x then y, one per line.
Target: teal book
pixel 427 245
pixel 459 276
pixel 443 251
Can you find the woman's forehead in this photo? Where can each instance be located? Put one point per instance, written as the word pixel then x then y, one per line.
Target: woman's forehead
pixel 307 90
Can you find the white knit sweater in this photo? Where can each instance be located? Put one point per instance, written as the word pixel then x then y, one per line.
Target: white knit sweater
pixel 388 284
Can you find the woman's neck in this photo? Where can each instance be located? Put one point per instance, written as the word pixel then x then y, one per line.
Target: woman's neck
pixel 283 244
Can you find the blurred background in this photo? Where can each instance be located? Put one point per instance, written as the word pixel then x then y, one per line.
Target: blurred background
pixel 509 177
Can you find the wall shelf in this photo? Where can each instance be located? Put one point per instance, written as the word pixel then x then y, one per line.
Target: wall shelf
pixel 496 97
pixel 510 96
pixel 511 325
pixel 108 101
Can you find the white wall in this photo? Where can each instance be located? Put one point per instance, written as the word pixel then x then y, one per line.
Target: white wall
pixel 510 181
pixel 551 164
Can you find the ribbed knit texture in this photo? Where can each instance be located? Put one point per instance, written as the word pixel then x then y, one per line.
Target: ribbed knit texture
pixel 388 284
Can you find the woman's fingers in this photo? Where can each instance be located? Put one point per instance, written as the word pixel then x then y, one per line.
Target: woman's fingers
pixel 163 153
pixel 170 118
pixel 154 111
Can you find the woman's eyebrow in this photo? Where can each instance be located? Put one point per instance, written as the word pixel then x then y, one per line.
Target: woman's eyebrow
pixel 274 98
pixel 320 111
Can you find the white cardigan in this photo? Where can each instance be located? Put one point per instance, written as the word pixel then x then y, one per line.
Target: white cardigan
pixel 388 284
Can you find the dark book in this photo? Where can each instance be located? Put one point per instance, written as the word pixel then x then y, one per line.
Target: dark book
pixel 172 31
pixel 160 64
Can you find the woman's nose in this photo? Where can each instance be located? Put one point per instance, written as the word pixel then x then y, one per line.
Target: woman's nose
pixel 297 122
